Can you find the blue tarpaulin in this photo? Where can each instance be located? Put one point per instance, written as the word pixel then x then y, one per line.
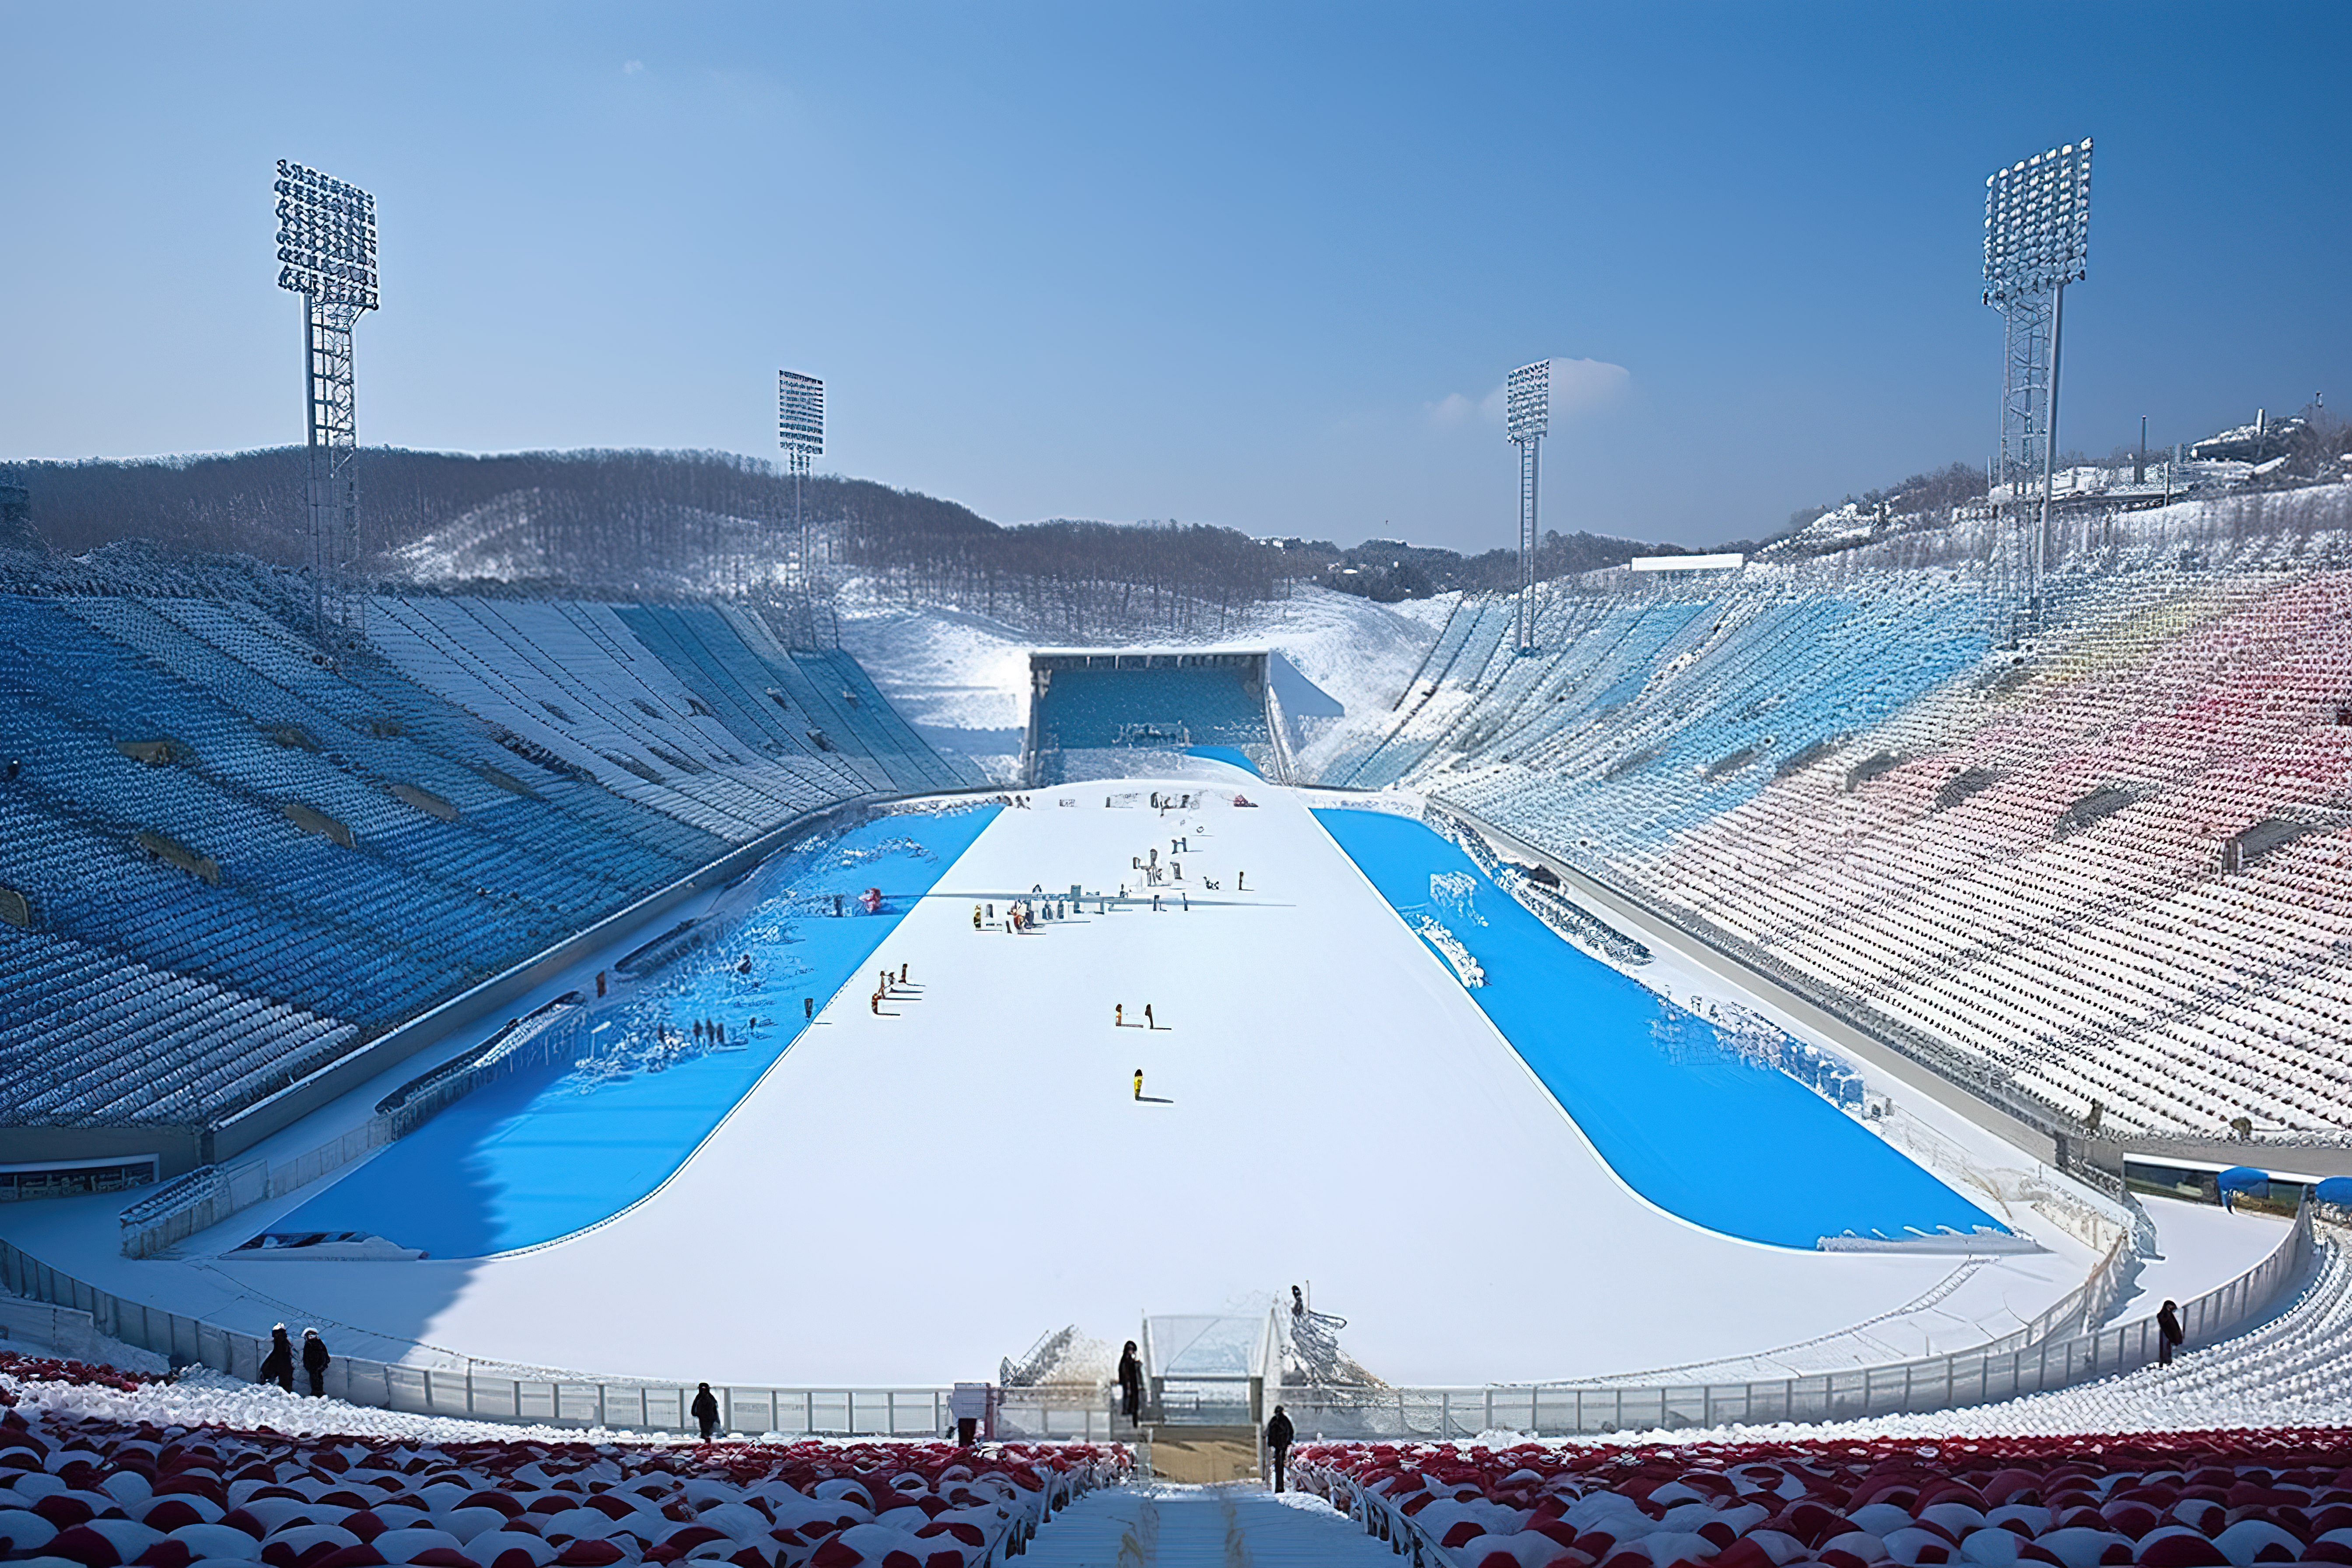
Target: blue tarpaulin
pixel 2242 1179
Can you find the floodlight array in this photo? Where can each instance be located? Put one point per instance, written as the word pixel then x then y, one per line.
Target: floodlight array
pixel 1527 401
pixel 2037 224
pixel 326 239
pixel 800 413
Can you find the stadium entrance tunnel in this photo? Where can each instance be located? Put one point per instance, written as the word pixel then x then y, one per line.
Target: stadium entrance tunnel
pixel 1131 714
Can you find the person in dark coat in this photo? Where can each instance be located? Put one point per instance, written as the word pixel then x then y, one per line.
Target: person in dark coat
pixel 1278 1433
pixel 1130 1377
pixel 314 1361
pixel 705 1410
pixel 277 1366
pixel 2167 1332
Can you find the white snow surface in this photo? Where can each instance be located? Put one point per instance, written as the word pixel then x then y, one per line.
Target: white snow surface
pixel 903 1199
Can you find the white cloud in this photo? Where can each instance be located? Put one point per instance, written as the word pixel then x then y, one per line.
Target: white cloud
pixel 1578 386
pixel 1582 386
pixel 631 68
pixel 1455 409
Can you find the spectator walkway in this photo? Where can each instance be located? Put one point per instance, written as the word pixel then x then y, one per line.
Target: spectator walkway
pixel 1210 1527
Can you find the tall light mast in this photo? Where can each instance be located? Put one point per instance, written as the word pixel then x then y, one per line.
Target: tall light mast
pixel 799 431
pixel 1526 417
pixel 2037 240
pixel 326 253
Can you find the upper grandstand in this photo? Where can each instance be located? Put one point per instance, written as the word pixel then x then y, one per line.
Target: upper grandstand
pixel 240 860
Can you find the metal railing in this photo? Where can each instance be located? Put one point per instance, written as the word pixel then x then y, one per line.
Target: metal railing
pixel 477 1391
pixel 1381 1520
pixel 1942 1383
pixel 509 1393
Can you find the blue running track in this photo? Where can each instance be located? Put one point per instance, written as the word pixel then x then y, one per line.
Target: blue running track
pixel 551 1151
pixel 1701 1131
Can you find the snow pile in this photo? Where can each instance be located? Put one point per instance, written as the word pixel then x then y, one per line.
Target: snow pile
pixel 81 1491
pixel 1467 967
pixel 2208 1499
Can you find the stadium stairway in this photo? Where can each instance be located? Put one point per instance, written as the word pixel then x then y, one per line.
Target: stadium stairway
pixel 1210 1527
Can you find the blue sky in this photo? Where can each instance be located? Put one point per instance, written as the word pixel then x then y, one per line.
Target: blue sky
pixel 1255 265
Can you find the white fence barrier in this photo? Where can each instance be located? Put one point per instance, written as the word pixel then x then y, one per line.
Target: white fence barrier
pixel 66 1308
pixel 1942 1383
pixel 513 1395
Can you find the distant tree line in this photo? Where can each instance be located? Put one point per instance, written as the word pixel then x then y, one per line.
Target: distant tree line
pixel 657 524
pixel 1389 569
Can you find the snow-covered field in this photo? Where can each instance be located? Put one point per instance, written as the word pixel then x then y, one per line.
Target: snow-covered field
pixel 908 1195
pixel 963 679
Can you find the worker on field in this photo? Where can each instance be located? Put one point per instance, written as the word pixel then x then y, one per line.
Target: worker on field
pixel 975 916
pixel 1138 1083
pixel 1119 1014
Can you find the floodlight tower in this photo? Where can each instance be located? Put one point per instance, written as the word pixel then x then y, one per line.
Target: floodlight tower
pixel 2037 239
pixel 1526 417
pixel 799 431
pixel 326 253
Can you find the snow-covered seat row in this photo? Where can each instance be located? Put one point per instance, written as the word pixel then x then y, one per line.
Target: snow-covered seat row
pixel 2206 1500
pixel 90 1493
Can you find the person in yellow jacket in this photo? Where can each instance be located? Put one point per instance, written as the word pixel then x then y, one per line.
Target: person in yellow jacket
pixel 1138 1083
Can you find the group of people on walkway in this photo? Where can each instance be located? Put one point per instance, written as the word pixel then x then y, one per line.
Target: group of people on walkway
pixel 1279 1431
pixel 277 1366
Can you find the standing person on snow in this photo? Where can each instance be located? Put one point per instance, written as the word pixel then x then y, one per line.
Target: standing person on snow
pixel 705 1410
pixel 2167 1332
pixel 1278 1433
pixel 1138 1083
pixel 277 1366
pixel 314 1362
pixel 1130 1372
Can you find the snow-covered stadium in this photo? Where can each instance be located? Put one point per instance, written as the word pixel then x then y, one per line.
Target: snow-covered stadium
pixel 1778 998
pixel 1784 1008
